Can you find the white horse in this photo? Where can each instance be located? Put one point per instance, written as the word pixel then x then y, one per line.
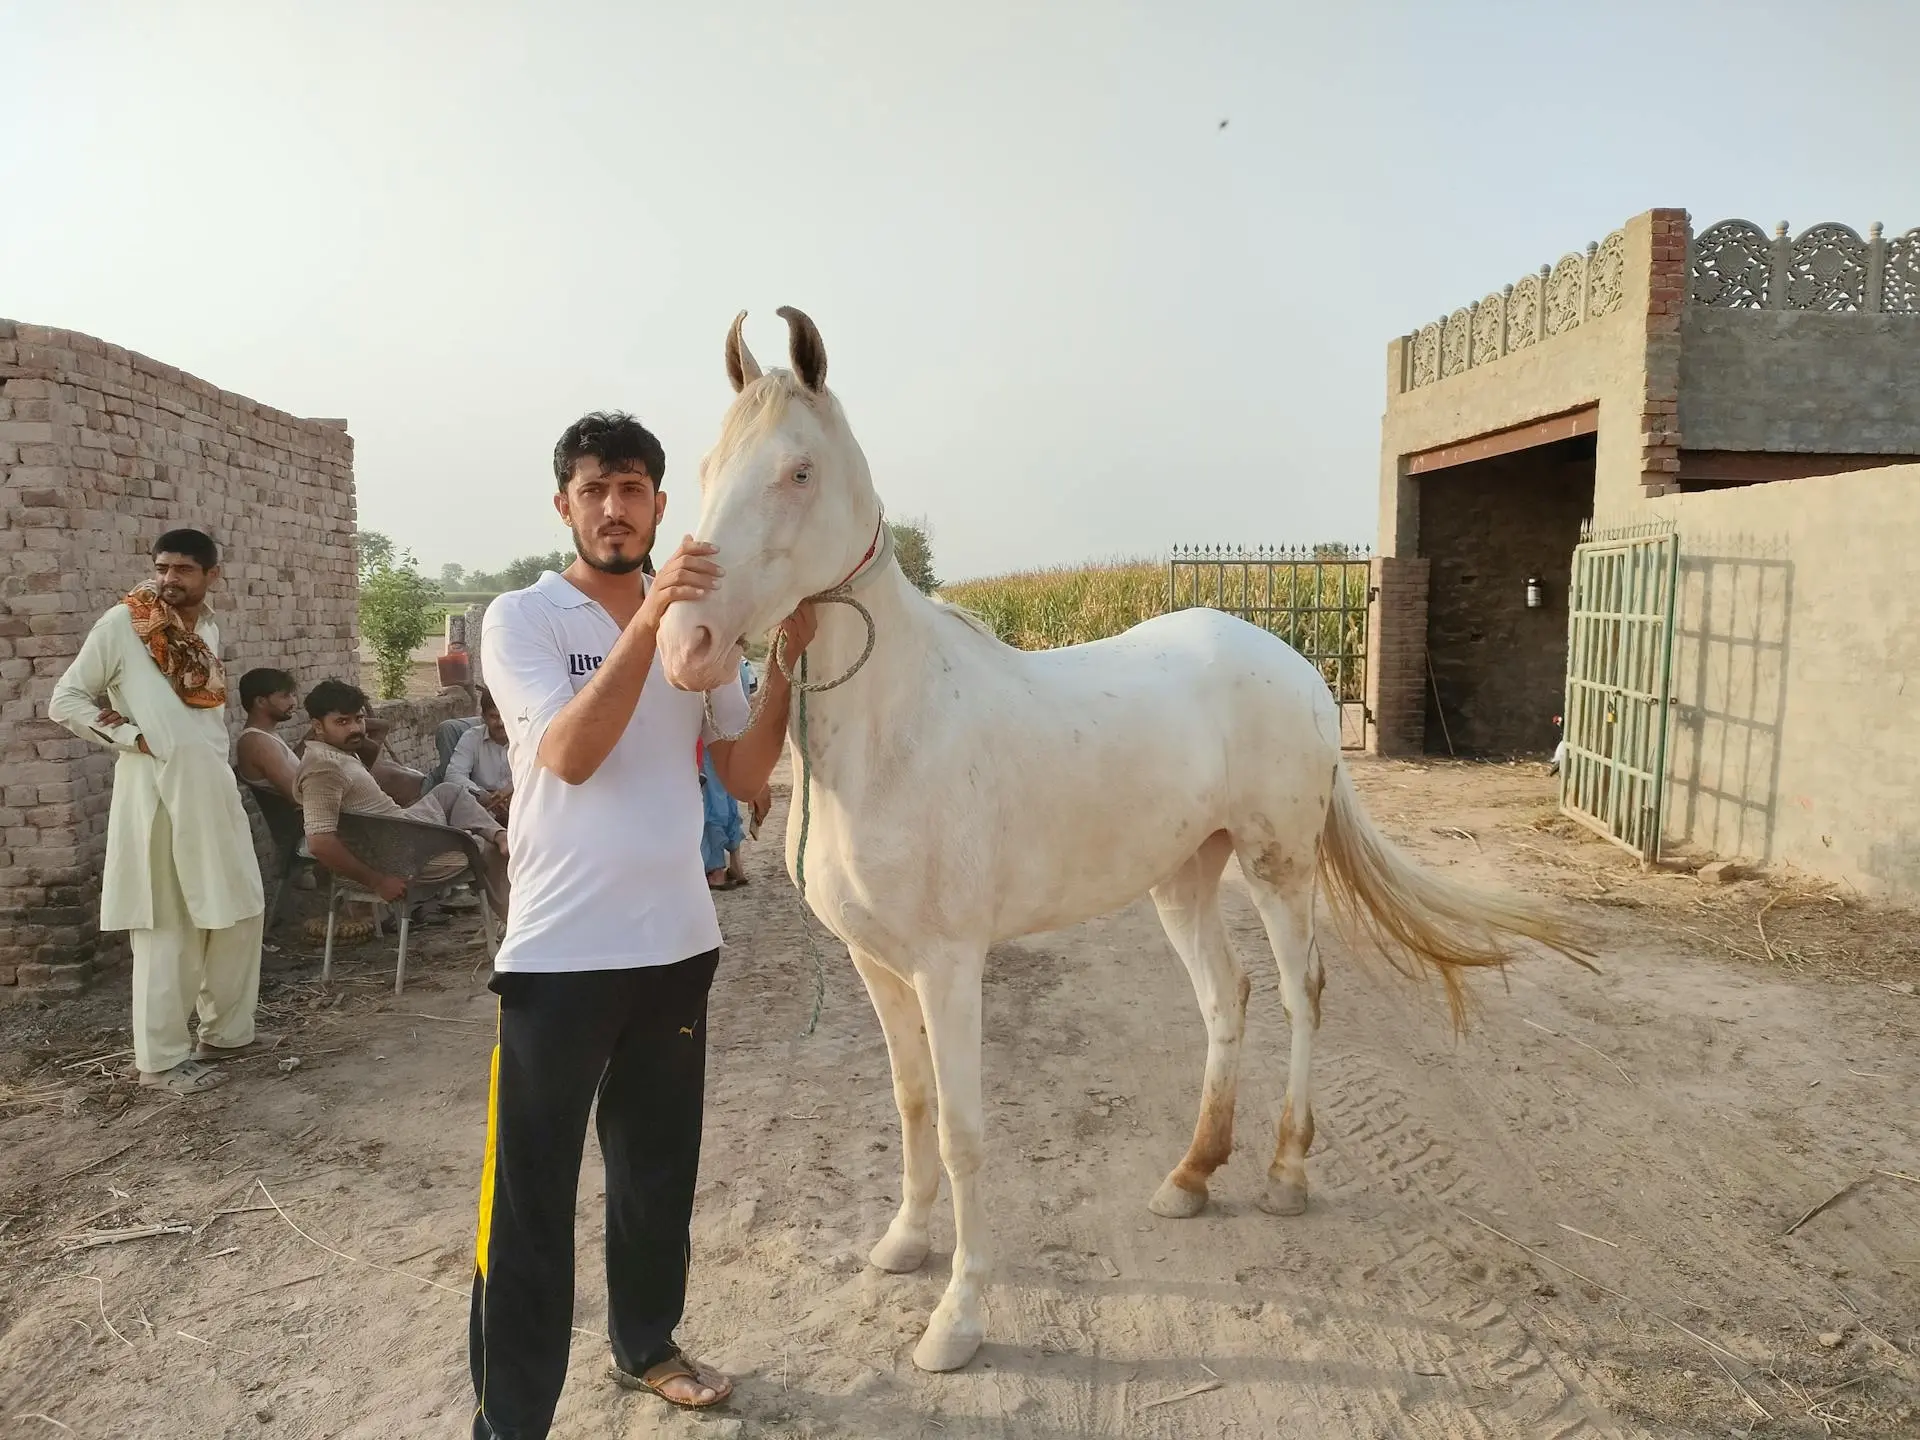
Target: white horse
pixel 1191 738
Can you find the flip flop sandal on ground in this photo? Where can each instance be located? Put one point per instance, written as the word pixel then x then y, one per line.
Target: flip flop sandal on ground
pixel 213 1054
pixel 189 1077
pixel 677 1367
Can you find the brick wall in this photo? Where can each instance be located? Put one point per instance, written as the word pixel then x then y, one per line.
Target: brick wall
pixel 1396 656
pixel 101 450
pixel 1500 668
pixel 1666 305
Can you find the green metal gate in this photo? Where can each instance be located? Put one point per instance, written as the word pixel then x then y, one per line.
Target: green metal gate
pixel 1619 669
pixel 1314 597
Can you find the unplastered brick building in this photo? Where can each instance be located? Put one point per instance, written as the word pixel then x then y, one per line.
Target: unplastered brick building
pixel 101 450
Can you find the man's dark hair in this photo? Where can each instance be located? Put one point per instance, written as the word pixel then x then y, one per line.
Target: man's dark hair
pixel 616 440
pixel 258 684
pixel 487 701
pixel 196 545
pixel 335 697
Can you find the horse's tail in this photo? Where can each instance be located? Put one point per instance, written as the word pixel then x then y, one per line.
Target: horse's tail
pixel 1423 922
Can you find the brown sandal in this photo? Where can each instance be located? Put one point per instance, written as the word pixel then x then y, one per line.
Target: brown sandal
pixel 677 1367
pixel 189 1077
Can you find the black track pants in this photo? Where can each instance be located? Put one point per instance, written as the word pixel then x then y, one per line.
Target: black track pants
pixel 636 1041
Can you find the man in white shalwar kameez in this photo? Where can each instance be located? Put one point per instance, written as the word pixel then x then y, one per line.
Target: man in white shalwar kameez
pixel 181 874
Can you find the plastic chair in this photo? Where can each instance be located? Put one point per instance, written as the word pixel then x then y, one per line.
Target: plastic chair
pixel 288 830
pixel 405 849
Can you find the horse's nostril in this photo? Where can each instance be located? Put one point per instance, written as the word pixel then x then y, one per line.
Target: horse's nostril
pixel 702 639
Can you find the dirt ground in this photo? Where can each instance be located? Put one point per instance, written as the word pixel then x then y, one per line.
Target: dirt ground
pixel 1571 1222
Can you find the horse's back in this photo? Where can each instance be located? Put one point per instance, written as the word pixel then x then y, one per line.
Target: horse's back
pixel 1198 640
pixel 1196 676
pixel 1185 725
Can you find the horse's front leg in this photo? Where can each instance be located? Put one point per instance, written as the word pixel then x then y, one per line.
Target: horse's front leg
pixel 904 1245
pixel 948 981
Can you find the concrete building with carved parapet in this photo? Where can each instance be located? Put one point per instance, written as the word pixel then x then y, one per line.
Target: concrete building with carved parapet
pixel 1731 421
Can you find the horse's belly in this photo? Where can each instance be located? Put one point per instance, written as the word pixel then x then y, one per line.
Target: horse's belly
pixel 1094 867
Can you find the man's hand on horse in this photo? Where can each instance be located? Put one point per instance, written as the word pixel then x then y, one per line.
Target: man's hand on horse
pixel 796 632
pixel 690 572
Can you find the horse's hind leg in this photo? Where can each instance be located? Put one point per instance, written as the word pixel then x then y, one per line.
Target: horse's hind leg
pixel 1283 891
pixel 1189 905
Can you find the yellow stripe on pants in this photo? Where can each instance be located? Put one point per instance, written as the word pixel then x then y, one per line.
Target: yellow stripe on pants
pixel 486 1164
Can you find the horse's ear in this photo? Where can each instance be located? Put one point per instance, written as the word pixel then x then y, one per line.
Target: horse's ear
pixel 805 349
pixel 742 368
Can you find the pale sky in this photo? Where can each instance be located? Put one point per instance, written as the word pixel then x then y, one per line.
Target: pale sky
pixel 1069 316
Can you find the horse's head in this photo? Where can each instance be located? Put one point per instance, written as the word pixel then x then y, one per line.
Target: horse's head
pixel 786 500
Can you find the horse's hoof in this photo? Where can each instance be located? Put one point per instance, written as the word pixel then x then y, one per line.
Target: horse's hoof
pixel 897 1255
pixel 1284 1197
pixel 1176 1202
pixel 946 1348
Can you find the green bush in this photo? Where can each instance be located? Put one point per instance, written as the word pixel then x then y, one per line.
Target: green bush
pixel 399 609
pixel 913 548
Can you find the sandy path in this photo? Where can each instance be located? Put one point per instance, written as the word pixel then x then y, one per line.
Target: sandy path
pixel 1717 1104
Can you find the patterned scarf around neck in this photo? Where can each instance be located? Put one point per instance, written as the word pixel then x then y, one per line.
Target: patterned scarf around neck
pixel 191 668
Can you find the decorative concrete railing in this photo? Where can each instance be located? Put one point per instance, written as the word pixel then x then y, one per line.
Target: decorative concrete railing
pixel 1531 310
pixel 1827 268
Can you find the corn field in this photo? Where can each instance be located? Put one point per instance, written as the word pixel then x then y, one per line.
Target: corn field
pixel 1314 598
pixel 1045 609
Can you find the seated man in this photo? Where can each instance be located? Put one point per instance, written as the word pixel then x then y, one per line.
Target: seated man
pixel 264 760
pixel 446 738
pixel 479 760
pixel 333 780
pixel 403 784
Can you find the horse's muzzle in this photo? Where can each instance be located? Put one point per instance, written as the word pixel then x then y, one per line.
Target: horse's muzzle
pixel 691 655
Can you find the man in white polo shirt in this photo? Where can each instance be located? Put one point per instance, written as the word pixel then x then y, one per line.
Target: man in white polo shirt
pixel 604 971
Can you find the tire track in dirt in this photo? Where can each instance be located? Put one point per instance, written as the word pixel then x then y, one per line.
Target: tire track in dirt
pixel 1377 1143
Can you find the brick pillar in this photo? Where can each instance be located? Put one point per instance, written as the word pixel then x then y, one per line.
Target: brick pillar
pixel 1667 283
pixel 476 621
pixel 1397 656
